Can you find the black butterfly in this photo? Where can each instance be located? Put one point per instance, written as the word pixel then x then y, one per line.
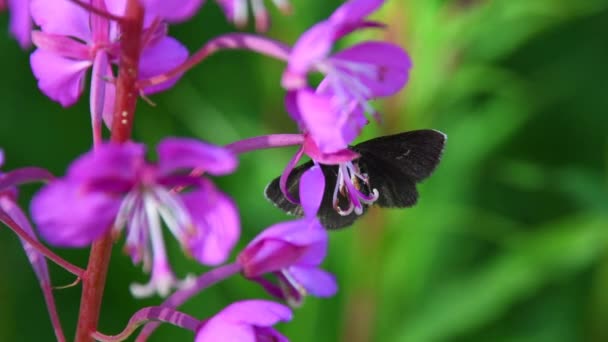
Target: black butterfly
pixel 390 165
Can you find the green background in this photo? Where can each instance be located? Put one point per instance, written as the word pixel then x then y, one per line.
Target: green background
pixel 509 241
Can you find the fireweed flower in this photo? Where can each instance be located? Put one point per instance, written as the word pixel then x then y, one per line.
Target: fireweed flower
pixel 114 186
pixel 248 320
pixel 20 20
pixel 236 11
pixel 71 40
pixel 292 251
pixel 334 113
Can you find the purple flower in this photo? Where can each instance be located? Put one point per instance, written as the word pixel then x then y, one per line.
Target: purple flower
pixel 293 251
pixel 174 10
pixel 246 321
pixel 236 11
pixel 114 186
pixel 21 21
pixel 334 113
pixel 72 40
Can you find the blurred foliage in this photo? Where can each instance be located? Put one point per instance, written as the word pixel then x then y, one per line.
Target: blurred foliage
pixel 509 241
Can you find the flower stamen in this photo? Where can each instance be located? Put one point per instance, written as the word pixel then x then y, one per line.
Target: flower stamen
pixel 354 187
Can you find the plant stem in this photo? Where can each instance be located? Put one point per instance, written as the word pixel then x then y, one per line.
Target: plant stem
pixel 265 141
pixel 94 281
pixel 40 248
pixel 180 297
pixel 229 41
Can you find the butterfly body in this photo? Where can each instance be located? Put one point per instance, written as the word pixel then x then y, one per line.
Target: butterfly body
pixel 389 166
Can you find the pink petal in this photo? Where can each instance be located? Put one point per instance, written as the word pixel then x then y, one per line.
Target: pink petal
pixel 174 10
pixel 293 233
pixel 63 46
pixel 312 185
pixel 66 215
pixel 317 282
pixel 21 22
pixel 392 61
pixel 261 313
pixel 217 225
pixel 312 150
pixel 331 131
pixel 291 106
pixel 313 46
pixel 111 165
pixel 164 55
pixel 99 84
pixel 237 321
pixel 59 78
pixel 354 11
pixel 61 17
pixel 283 245
pixel 100 26
pixel 183 153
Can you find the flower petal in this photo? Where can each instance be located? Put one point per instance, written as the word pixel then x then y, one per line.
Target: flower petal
pixel 217 225
pixel 21 22
pixel 66 215
pixel 354 11
pixel 313 46
pixel 59 78
pixel 293 233
pixel 312 185
pixel 237 322
pixel 183 153
pixel 166 54
pixel 332 131
pixel 317 282
pixel 261 313
pixel 110 166
pixel 97 98
pixel 61 17
pixel 174 10
pixel 283 245
pixel 391 61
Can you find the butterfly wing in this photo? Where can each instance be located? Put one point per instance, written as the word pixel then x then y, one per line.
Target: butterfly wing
pixel 274 194
pixel 395 163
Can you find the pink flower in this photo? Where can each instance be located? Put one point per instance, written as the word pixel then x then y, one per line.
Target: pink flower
pixel 246 321
pixel 114 186
pixel 72 40
pixel 334 113
pixel 292 251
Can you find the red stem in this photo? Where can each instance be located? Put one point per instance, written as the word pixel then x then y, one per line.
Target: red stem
pixel 131 26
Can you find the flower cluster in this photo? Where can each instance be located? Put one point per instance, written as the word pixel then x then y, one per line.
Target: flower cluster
pixel 114 188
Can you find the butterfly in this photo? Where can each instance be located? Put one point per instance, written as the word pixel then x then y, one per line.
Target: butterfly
pixel 386 171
